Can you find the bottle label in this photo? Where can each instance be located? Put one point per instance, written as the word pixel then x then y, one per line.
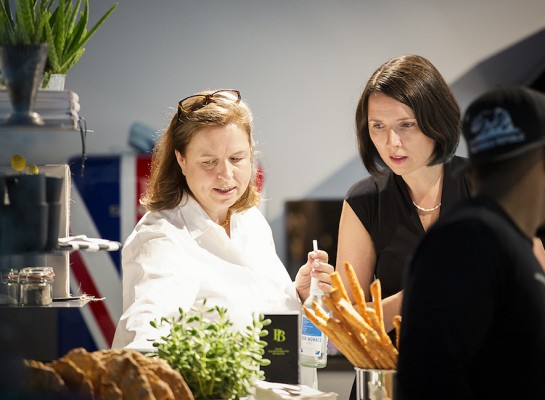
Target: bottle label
pixel 312 339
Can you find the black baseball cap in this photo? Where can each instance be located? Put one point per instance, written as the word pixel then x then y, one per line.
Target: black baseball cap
pixel 504 123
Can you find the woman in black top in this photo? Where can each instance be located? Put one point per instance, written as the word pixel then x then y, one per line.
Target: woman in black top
pixel 408 127
pixel 384 207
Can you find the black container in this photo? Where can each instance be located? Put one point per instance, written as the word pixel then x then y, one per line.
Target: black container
pixel 24 220
pixel 53 189
pixel 23 230
pixel 54 215
pixel 53 192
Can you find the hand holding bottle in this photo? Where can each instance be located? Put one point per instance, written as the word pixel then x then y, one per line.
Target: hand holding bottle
pixel 313 351
pixel 316 266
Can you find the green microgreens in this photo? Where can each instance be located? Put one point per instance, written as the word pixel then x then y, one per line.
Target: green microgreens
pixel 215 360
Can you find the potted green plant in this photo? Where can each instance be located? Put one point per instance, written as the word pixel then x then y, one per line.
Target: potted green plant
pixel 66 34
pixel 23 54
pixel 26 25
pixel 216 361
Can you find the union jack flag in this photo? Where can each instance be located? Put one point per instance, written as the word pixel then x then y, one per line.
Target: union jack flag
pixel 104 204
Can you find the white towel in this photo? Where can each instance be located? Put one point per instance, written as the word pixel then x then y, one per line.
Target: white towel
pixel 281 391
pixel 82 242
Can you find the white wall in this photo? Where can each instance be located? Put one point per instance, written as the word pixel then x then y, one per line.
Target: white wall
pixel 299 63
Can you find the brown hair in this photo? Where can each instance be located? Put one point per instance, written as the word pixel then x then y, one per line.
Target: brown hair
pixel 415 82
pixel 167 185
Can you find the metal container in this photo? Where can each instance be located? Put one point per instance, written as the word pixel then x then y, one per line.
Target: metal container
pixel 376 384
pixel 36 286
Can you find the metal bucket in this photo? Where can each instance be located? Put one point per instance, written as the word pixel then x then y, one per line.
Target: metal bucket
pixel 376 384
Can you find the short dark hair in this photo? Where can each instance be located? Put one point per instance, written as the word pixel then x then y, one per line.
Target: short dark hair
pixel 415 82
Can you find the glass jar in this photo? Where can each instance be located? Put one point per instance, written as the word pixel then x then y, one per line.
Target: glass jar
pixel 10 286
pixel 36 286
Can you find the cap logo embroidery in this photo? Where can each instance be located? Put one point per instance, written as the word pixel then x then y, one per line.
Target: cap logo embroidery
pixel 493 128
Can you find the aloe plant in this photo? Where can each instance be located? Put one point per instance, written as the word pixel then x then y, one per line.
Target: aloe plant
pixel 66 34
pixel 59 23
pixel 27 24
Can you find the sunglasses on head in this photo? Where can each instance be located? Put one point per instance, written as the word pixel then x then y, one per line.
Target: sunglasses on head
pixel 198 101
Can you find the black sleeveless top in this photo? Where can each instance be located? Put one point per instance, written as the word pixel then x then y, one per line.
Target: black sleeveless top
pixel 385 208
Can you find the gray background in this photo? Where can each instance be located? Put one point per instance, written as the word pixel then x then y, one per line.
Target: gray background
pixel 300 64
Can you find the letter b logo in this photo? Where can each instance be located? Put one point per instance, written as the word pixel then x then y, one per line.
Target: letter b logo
pixel 279 335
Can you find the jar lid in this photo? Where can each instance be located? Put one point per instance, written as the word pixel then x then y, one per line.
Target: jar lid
pixel 35 273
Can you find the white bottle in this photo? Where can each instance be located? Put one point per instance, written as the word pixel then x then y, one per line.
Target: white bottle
pixel 313 347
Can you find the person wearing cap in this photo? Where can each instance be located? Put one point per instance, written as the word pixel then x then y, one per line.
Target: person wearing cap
pixel 473 312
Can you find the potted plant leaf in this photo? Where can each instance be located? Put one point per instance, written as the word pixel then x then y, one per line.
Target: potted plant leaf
pixel 66 34
pixel 26 24
pixel 61 24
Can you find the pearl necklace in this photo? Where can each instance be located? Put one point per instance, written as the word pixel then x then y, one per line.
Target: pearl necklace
pixel 227 220
pixel 427 209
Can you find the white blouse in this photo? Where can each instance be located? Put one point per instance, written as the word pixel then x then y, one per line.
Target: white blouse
pixel 177 257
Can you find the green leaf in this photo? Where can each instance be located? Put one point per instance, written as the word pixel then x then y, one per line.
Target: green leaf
pixel 77 34
pixel 215 360
pixel 62 24
pixel 73 15
pixel 58 26
pixel 52 55
pixel 69 63
pixel 25 18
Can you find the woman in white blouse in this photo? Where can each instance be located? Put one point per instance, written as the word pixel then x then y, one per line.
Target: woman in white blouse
pixel 203 236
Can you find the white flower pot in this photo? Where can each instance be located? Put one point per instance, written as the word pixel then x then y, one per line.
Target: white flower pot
pixel 56 82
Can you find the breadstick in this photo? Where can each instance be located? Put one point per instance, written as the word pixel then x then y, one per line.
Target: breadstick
pixel 372 314
pixel 342 344
pixel 351 344
pixel 355 323
pixel 343 310
pixel 375 350
pixel 397 325
pixel 364 341
pixel 348 315
pixel 319 310
pixel 340 335
pixel 357 291
pixel 376 293
pixel 337 283
pixel 343 340
pixel 390 352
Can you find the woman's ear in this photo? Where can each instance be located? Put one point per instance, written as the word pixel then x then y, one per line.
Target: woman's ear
pixel 181 160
